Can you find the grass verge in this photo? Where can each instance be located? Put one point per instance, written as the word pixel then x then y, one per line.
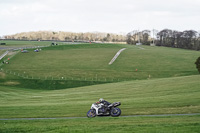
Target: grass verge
pixel 175 124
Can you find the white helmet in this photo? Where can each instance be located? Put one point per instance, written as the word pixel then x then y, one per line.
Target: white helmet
pixel 101 100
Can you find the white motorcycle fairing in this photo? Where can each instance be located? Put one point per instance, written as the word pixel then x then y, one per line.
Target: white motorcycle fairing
pixel 96 107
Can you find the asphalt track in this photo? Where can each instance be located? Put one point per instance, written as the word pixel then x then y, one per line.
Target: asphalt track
pixel 160 115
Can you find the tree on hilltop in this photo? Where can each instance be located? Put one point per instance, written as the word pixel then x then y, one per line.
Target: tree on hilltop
pixel 198 64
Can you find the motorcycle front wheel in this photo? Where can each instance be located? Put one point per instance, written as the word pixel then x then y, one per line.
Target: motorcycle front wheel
pixel 115 112
pixel 91 113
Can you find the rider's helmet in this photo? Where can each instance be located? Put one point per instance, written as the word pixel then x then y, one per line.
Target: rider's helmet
pixel 101 100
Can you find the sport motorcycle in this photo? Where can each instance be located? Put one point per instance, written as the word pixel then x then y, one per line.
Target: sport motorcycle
pixel 100 110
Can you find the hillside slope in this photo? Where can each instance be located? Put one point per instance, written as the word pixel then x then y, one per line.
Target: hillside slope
pixel 90 62
pixel 158 96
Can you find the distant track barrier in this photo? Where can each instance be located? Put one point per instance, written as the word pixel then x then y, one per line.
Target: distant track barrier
pixel 63 78
pixel 51 83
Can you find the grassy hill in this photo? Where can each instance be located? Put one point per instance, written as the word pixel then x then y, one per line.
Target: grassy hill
pixel 158 96
pixel 166 82
pixel 90 62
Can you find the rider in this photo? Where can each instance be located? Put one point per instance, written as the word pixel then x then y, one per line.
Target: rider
pixel 105 104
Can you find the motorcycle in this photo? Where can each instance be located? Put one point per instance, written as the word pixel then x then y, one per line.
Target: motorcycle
pixel 99 110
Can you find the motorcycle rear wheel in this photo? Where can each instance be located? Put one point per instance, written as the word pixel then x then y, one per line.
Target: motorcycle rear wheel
pixel 91 113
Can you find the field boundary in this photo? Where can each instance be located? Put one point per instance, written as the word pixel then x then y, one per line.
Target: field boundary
pixel 64 78
pixel 156 115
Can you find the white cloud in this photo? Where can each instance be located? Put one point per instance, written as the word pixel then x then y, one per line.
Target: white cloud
pixel 95 15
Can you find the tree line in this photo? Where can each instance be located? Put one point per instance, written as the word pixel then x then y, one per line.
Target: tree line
pixel 68 36
pixel 136 36
pixel 188 39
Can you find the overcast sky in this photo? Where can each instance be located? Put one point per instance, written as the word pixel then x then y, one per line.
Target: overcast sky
pixel 113 16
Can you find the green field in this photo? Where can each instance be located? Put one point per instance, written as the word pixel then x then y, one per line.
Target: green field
pixel 166 82
pixel 12 43
pixel 159 96
pixel 90 62
pixel 178 124
pixel 2 51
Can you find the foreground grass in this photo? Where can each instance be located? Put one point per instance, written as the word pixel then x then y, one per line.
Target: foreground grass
pixel 175 124
pixel 158 96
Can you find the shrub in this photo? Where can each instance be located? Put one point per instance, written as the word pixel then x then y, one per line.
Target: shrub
pixel 198 64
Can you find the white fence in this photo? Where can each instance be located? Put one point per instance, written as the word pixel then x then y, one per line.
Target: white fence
pixel 95 78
